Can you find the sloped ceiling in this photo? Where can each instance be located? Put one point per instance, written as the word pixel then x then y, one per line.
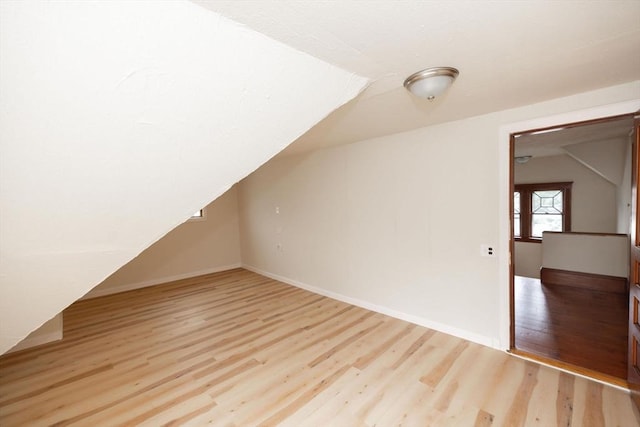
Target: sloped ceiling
pixel 509 54
pixel 601 146
pixel 117 121
pixel 550 142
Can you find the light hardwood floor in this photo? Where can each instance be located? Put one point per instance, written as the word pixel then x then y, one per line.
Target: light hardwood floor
pixel 238 349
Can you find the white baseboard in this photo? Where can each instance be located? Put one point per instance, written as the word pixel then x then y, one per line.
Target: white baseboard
pixel 96 292
pixel 450 330
pixel 447 329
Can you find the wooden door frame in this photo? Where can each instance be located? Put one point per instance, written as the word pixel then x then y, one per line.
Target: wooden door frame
pixel 608 108
pixel 633 373
pixel 590 117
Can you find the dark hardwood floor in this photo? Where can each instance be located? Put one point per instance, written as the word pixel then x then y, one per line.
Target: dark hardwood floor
pixel 579 327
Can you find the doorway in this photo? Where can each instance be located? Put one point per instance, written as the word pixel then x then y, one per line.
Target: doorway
pixel 568 317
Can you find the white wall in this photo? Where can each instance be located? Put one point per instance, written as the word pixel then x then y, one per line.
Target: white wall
pixel 605 157
pixel 379 221
pixel 396 223
pixel 527 259
pixel 120 119
pixel 50 331
pixel 623 194
pixel 593 203
pixel 586 253
pixel 197 247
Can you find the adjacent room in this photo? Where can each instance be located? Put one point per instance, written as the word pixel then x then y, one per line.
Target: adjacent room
pixel 572 210
pixel 319 213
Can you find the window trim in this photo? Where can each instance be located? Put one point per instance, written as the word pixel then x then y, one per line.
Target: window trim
pixel 525 191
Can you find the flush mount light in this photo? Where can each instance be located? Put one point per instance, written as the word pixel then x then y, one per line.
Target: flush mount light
pixel 522 159
pixel 431 82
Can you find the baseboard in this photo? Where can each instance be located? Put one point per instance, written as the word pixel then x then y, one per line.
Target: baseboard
pixel 159 281
pixel 421 321
pixel 590 281
pixel 37 340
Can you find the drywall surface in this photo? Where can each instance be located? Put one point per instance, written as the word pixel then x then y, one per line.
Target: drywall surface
pixel 527 259
pixel 397 222
pixel 197 247
pixel 50 331
pixel 118 120
pixel 623 194
pixel 606 158
pixel 384 221
pixel 585 253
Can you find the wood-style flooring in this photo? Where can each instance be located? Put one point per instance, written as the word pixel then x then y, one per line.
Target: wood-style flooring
pixel 239 349
pixel 580 327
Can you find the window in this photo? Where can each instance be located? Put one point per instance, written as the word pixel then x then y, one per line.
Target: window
pixel 199 215
pixel 541 207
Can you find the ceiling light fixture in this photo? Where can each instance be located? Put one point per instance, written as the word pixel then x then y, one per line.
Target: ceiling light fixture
pixel 522 159
pixel 431 82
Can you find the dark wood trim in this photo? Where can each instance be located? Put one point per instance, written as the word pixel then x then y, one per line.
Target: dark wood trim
pixel 633 336
pixel 572 125
pixel 512 246
pixel 528 240
pixel 543 186
pixel 525 191
pixel 576 279
pixel 585 233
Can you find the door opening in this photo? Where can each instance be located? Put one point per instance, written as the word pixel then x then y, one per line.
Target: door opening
pixel 574 314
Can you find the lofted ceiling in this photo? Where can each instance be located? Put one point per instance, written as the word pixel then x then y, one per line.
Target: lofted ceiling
pixel 509 54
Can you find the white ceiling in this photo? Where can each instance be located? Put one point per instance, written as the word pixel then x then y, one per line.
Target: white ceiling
pixel 509 53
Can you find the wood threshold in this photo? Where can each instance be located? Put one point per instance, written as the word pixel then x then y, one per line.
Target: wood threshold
pixel 579 370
